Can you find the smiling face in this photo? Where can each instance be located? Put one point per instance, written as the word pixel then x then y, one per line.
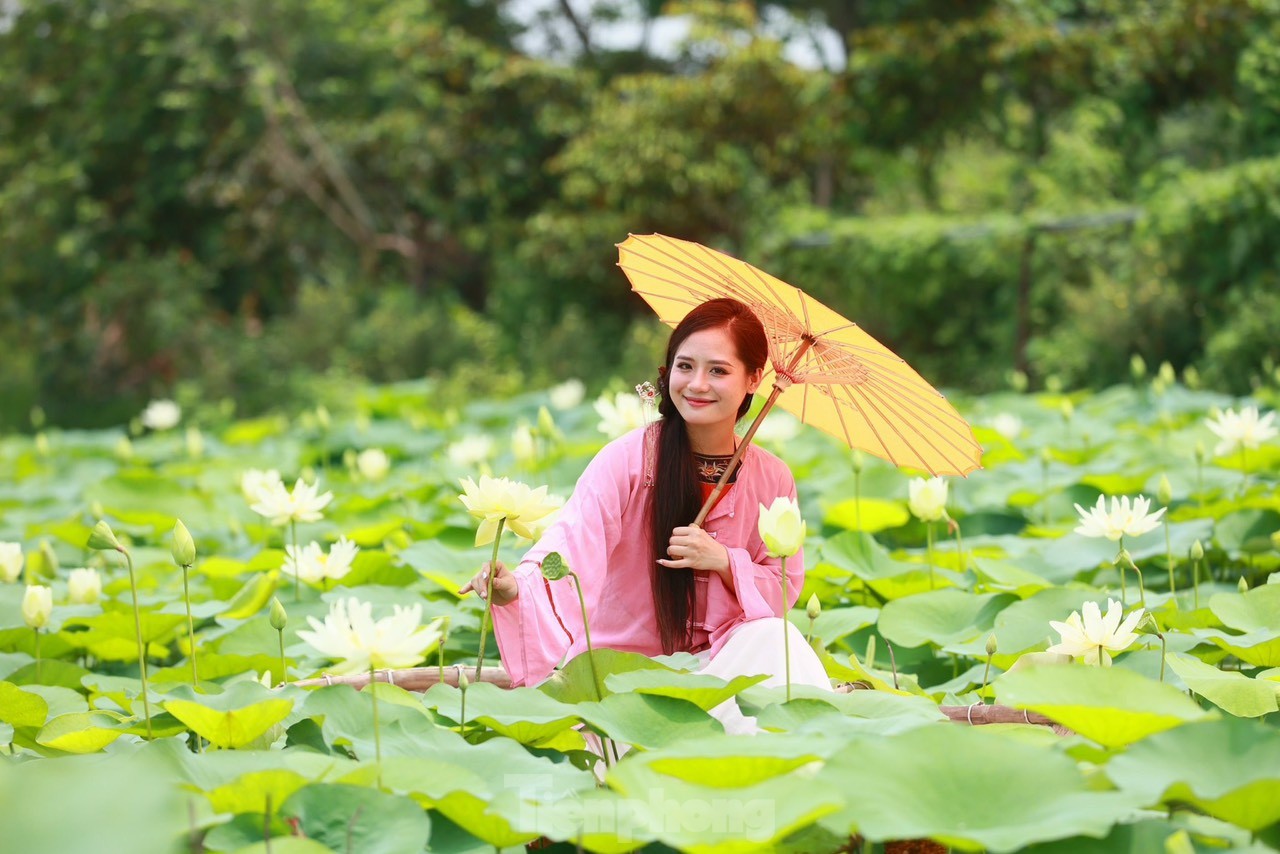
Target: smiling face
pixel 707 384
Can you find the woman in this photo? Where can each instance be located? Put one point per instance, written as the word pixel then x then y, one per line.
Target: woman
pixel 654 583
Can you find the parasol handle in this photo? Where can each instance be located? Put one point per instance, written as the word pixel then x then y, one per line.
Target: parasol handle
pixel 781 382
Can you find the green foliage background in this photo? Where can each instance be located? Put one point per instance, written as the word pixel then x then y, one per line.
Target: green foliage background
pixel 232 201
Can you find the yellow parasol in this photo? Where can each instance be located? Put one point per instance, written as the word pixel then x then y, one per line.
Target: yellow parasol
pixel 825 369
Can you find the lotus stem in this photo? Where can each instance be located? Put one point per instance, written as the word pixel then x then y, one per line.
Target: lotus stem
pixel 377 736
pixel 893 662
pixel 191 630
pixel 586 629
pixel 488 596
pixel 1168 547
pixel 37 631
pixel 142 647
pixel 986 673
pixel 929 542
pixel 444 639
pixel 297 583
pixel 786 629
pixel 284 668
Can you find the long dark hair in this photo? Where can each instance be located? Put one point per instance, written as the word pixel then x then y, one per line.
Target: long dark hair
pixel 676 497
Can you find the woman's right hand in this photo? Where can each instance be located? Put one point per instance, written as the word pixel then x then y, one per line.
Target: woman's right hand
pixel 505 589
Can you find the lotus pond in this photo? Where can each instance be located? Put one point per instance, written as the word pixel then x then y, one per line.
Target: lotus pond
pixel 1174 747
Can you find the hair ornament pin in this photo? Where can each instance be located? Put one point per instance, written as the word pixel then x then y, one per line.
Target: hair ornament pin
pixel 648 398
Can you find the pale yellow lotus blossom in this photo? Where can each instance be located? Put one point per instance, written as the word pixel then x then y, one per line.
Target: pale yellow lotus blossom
pixel 497 498
pixel 11 561
pixel 302 504
pixel 373 463
pixel 254 483
pixel 620 413
pixel 37 605
pixel 927 499
pixel 781 527
pixel 778 427
pixel 1094 637
pixel 351 636
pixel 1123 520
pixel 1241 430
pixel 470 451
pixel 84 586
pixel 312 565
pixel 161 415
pixel 567 394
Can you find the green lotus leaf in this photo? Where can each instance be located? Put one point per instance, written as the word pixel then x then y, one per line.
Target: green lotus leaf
pixel 525 714
pixel 1260 647
pixel 119 625
pixel 726 761
pixel 1110 705
pixel 868 515
pixel 861 555
pixel 287 845
pixel 702 818
pixel 648 721
pixel 345 717
pixel 703 690
pixel 940 617
pixel 355 818
pixel 966 787
pixel 1230 691
pixel 252 597
pixel 1247 530
pixel 21 708
pixel 81 732
pixel 1255 610
pixel 834 624
pixel 233 718
pixel 1229 768
pixel 250 792
pixel 575 681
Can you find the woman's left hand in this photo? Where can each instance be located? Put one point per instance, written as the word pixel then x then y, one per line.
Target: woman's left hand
pixel 693 548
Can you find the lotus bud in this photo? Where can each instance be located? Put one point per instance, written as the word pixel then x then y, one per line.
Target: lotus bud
pixel 1197 551
pixel 124 448
pixel 1067 408
pixel 813 608
pixel 522 444
pixel 349 459
pixel 1200 452
pixel 11 561
pixel 859 461
pixel 278 617
pixel 1242 585
pixel 184 547
pixel 1053 384
pixel 42 444
pixel 102 538
pixel 84 586
pixel 373 463
pixel 96 510
pixel 1137 367
pixel 1167 374
pixel 37 417
pixel 991 644
pixel 195 442
pixel 553 567
pixel 37 605
pixel 463 681
pixel 322 417
pixel 49 563
pixel 1018 381
pixel 547 425
pixel 1164 491
pixel 781 527
pixel 1191 377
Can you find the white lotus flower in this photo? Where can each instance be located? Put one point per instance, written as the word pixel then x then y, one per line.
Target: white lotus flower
pixel 37 605
pixel 1241 430
pixel 312 565
pixel 282 506
pixel 567 394
pixel 84 586
pixel 1094 637
pixel 350 635
pixel 1123 520
pixel 619 414
pixel 255 483
pixel 778 426
pixel 497 498
pixel 373 463
pixel 161 415
pixel 471 450
pixel 927 498
pixel 781 527
pixel 1007 425
pixel 11 561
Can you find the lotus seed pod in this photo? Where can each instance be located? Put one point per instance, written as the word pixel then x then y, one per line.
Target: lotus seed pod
pixel 553 567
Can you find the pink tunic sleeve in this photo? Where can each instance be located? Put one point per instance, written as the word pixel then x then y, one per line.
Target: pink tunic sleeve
pixel 535 631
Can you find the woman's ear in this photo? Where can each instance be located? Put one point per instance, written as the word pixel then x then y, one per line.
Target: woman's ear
pixel 753 382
